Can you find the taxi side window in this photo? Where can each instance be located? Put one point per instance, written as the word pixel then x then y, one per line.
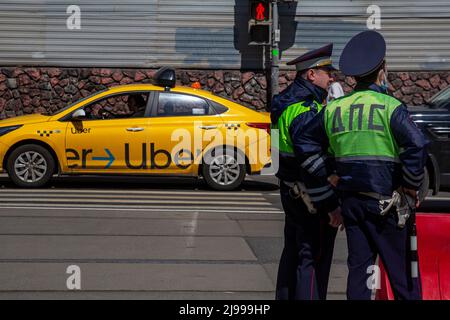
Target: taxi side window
pixel 177 105
pixel 129 105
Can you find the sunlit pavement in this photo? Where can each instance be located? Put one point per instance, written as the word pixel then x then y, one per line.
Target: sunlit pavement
pixel 141 238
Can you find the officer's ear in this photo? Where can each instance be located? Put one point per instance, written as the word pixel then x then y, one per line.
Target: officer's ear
pixel 310 75
pixel 381 76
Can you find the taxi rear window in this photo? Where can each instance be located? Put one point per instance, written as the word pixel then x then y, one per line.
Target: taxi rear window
pixel 177 105
pixel 218 108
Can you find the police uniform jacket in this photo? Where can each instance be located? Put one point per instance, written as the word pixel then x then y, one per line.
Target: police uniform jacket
pixel 367 174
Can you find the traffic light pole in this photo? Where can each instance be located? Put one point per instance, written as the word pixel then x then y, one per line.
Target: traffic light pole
pixel 275 52
pixel 263 28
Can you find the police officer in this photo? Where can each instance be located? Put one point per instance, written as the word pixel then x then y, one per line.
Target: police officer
pixel 377 149
pixel 309 231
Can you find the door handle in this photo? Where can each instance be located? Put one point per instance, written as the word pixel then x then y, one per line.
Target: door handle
pixel 135 129
pixel 208 127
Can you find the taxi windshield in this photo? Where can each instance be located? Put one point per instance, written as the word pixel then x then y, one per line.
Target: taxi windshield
pixel 52 113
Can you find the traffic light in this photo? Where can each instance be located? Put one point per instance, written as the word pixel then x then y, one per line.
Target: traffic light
pixel 260 10
pixel 260 22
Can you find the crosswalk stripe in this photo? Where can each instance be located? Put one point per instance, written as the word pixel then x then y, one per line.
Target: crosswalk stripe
pixel 80 205
pixel 124 197
pixel 168 201
pixel 437 198
pixel 136 200
pixel 145 192
pixel 140 209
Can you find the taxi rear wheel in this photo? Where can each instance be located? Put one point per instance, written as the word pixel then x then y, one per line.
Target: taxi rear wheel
pixel 224 169
pixel 30 166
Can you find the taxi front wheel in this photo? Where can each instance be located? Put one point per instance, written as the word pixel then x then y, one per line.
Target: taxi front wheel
pixel 30 166
pixel 224 169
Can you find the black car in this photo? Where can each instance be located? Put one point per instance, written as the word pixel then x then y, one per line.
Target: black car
pixel 434 120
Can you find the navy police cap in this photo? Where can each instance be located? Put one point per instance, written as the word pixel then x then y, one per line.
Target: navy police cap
pixel 363 54
pixel 320 57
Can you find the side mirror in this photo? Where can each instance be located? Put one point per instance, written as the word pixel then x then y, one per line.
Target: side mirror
pixel 79 114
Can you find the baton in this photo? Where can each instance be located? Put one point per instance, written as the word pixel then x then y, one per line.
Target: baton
pixel 413 237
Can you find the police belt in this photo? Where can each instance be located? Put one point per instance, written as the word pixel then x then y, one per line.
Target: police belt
pixel 375 195
pixel 402 202
pixel 298 190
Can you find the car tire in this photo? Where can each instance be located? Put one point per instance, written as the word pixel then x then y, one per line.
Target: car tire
pixel 30 166
pixel 424 187
pixel 224 169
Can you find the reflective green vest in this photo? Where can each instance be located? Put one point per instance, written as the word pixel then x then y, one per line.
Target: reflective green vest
pixel 358 127
pixel 285 121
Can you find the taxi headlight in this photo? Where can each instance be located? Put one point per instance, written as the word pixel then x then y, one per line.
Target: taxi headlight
pixel 5 130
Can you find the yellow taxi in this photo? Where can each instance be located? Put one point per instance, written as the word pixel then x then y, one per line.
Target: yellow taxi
pixel 140 129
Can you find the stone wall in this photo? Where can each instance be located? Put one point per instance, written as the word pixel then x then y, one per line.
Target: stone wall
pixel 28 90
pixel 413 88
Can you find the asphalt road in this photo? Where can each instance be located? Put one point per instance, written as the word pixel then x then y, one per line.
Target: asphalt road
pixel 141 238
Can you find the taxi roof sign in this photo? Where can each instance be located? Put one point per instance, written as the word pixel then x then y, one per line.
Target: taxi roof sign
pixel 166 77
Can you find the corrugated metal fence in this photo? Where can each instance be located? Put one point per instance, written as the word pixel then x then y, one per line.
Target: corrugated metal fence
pixel 211 33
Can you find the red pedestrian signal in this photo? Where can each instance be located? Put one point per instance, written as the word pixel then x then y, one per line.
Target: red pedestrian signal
pixel 261 10
pixel 260 22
